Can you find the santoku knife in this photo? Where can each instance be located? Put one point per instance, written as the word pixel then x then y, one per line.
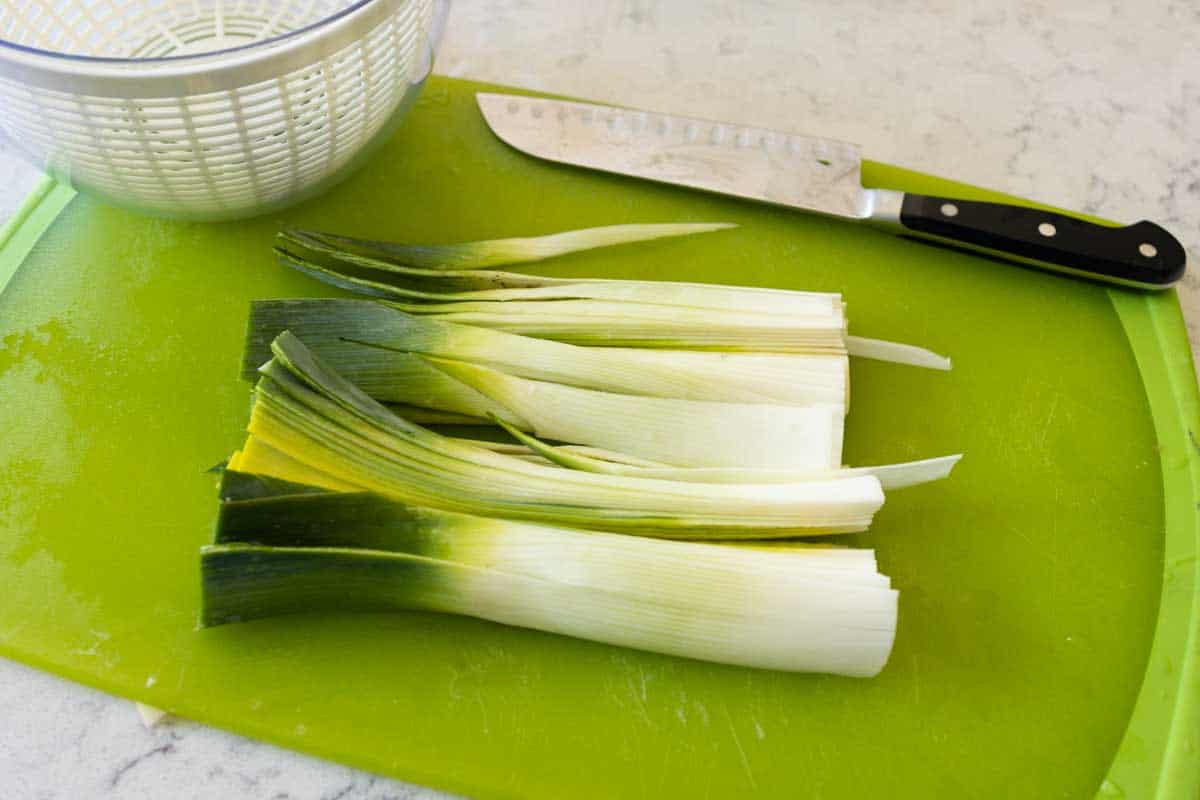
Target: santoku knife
pixel 824 176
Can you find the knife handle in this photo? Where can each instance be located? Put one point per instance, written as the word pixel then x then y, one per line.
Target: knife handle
pixel 1141 255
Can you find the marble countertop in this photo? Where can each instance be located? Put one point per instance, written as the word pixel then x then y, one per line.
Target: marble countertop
pixel 1083 104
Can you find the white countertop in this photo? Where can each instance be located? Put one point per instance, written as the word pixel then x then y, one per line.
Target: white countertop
pixel 1084 104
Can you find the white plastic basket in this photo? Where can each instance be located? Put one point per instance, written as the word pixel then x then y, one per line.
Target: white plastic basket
pixel 208 109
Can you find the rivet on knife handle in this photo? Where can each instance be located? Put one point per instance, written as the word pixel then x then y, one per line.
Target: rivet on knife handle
pixel 1141 255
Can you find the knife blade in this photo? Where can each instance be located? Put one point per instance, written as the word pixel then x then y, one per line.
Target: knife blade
pixel 824 176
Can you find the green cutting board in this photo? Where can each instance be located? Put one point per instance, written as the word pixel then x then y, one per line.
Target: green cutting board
pixel 1030 581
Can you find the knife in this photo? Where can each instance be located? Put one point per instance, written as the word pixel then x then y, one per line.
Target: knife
pixel 824 176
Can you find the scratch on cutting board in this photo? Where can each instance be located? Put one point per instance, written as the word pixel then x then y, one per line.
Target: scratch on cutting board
pixel 94 647
pixel 1052 554
pixel 1041 439
pixel 741 751
pixel 916 680
pixel 640 697
pixel 13 631
pixel 702 712
pixel 482 708
pixel 1022 535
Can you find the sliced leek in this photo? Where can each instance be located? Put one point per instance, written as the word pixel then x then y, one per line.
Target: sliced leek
pixel 685 433
pixel 799 608
pixel 795 625
pixel 309 414
pixel 609 312
pixel 261 458
pixel 372 345
pixel 429 416
pixel 637 324
pixel 708 412
pixel 149 715
pixel 260 510
pixel 517 449
pixel 891 476
pixel 498 252
pixel 881 350
pixel 382 279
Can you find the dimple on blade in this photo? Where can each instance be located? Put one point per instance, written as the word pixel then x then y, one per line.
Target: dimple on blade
pixel 815 174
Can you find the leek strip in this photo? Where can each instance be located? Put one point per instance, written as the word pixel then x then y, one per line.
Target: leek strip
pixel 891 476
pixel 150 715
pixel 610 323
pixel 602 323
pixel 371 521
pixel 327 325
pixel 800 626
pixel 237 485
pixel 389 376
pixel 435 287
pixel 789 379
pixel 895 352
pixel 563 458
pixel 366 519
pixel 686 433
pixel 257 456
pixel 429 416
pixel 309 413
pixel 381 279
pixel 500 252
pixel 609 455
pixel 516 449
pixel 451 478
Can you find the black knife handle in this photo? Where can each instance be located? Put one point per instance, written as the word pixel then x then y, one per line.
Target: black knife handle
pixel 1142 254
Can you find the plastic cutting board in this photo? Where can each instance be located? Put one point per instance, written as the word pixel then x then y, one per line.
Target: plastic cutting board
pixel 1039 585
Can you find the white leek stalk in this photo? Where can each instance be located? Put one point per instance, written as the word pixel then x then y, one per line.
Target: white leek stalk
pixel 685 433
pixel 373 346
pixel 800 608
pixel 640 324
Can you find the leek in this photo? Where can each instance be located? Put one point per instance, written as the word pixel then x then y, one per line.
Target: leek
pixel 429 416
pixel 686 433
pixel 372 345
pixel 149 715
pixel 606 312
pixel 800 608
pixel 891 476
pixel 517 449
pixel 895 352
pixel 309 414
pixel 797 624
pixel 263 459
pixel 636 324
pixel 381 279
pixel 499 252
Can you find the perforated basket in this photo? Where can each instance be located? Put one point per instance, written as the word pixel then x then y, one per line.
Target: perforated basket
pixel 208 109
